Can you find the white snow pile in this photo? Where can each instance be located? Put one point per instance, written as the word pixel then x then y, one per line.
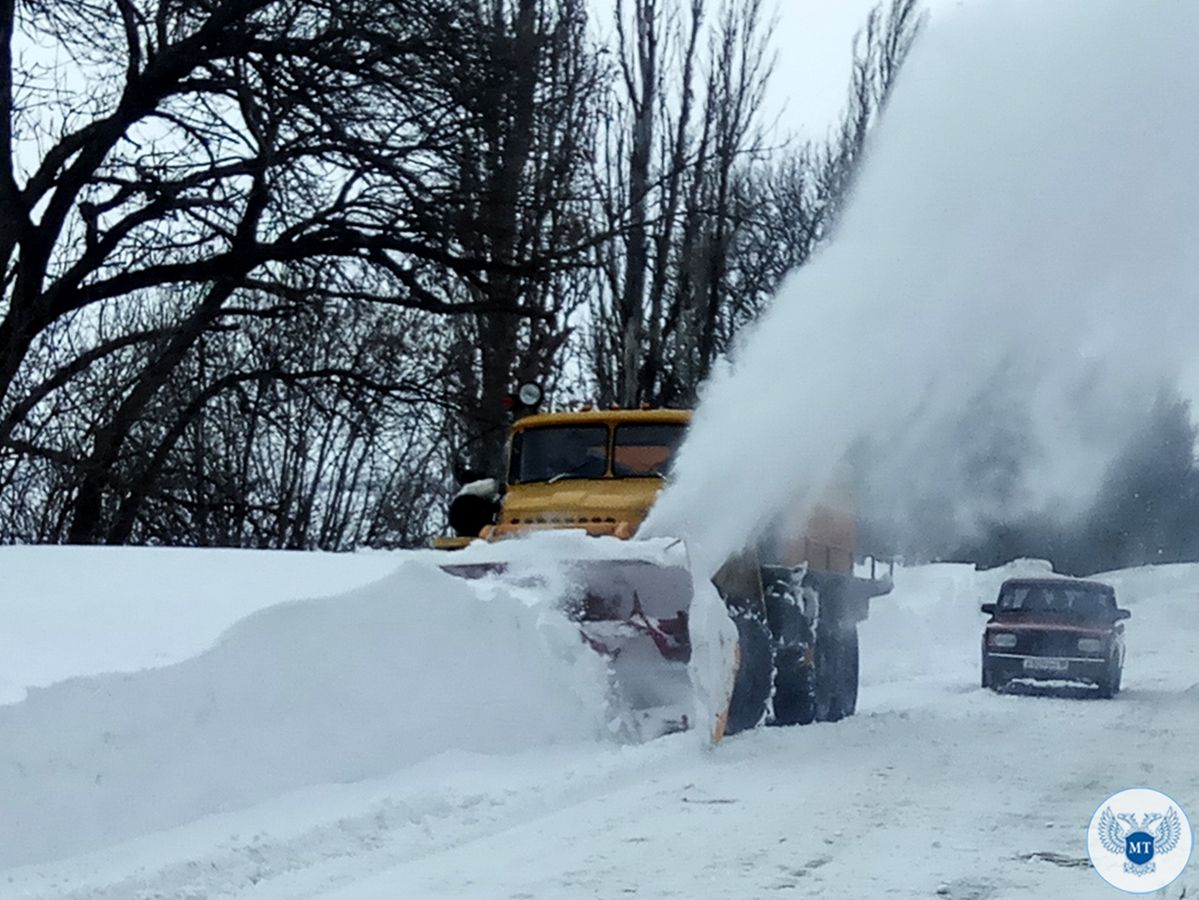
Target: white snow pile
pixel 302 693
pixel 90 610
pixel 928 628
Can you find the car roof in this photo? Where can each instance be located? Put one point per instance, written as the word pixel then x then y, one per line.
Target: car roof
pixel 1058 582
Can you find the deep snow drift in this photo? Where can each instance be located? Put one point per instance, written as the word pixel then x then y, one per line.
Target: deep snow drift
pixel 372 746
pixel 70 613
pixel 1021 239
pixel 305 692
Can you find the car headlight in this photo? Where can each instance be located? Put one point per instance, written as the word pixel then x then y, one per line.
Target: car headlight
pixel 1090 645
pixel 1003 640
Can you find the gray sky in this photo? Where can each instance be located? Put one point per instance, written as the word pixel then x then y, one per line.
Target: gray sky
pixel 813 41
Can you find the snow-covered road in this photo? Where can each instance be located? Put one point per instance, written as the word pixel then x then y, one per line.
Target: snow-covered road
pixel 935 789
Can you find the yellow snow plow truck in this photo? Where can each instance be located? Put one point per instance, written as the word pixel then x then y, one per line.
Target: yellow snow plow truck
pixel 795 599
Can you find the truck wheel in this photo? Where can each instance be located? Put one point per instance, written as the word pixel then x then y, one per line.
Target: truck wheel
pixel 751 689
pixel 827 676
pixel 794 689
pixel 837 675
pixel 847 687
pixel 794 679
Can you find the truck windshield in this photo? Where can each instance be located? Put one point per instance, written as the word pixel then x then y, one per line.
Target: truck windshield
pixel 1065 600
pixel 556 453
pixel 642 451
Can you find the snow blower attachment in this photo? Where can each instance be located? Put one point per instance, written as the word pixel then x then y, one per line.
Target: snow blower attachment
pixel 771 639
pixel 634 612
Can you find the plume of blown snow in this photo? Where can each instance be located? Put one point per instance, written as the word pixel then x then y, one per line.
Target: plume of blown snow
pixel 1024 224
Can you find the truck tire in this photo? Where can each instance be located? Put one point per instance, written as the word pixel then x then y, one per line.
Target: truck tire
pixel 837 663
pixel 825 676
pixel 791 634
pixel 751 689
pixel 794 689
pixel 849 670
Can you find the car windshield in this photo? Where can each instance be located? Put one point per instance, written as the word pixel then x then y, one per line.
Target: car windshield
pixel 645 450
pixel 556 453
pixel 1064 599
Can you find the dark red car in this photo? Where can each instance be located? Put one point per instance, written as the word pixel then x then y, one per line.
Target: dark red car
pixel 1054 629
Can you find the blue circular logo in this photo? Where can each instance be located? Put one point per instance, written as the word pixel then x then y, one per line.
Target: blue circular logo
pixel 1139 840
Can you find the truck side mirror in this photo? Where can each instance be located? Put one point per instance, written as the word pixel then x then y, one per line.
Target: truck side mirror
pixel 988 608
pixel 1122 614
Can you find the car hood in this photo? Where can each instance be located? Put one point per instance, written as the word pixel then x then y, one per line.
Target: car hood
pixel 1080 628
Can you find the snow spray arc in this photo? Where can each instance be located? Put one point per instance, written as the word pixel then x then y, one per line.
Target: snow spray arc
pixel 975 315
pixel 1139 840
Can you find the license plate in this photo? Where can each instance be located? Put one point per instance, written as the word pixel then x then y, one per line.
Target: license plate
pixel 1046 665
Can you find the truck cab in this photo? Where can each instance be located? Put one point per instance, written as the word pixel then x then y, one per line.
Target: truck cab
pixel 595 470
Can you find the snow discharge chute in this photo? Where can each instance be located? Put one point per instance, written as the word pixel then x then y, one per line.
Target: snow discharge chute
pixel 771 637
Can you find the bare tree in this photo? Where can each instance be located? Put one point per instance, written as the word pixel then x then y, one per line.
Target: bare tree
pixel 714 219
pixel 291 443
pixel 263 261
pixel 202 166
pixel 516 192
pixel 880 48
pixel 673 139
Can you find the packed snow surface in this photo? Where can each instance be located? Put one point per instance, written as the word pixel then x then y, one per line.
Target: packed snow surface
pixel 419 736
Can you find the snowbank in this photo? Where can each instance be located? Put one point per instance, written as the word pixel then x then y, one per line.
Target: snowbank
pixel 303 693
pixel 87 610
pixel 930 625
pixel 1133 584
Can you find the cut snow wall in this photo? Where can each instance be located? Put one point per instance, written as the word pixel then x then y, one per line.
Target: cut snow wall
pixel 302 693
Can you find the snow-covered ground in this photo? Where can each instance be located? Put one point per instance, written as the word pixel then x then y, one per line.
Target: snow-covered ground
pixel 414 735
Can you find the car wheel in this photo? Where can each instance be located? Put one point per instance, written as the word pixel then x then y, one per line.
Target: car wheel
pixel 989 681
pixel 1109 684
